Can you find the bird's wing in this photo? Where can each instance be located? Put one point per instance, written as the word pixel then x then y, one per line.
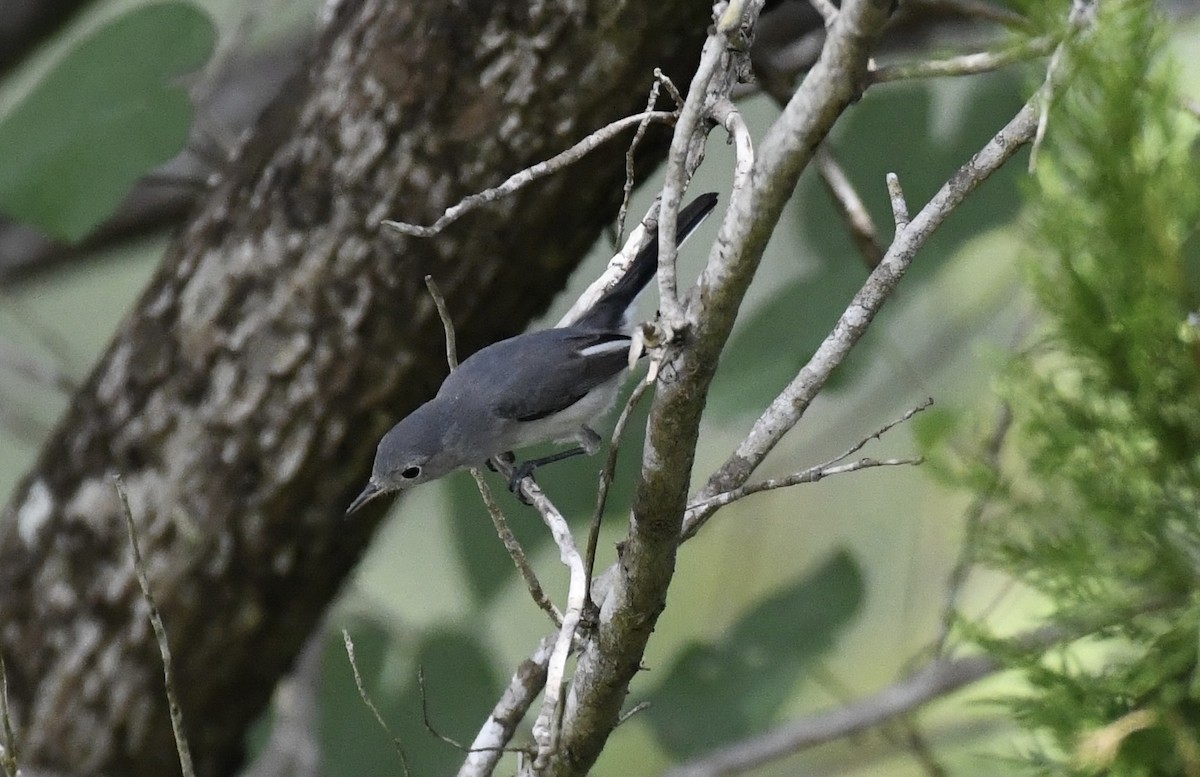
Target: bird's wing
pixel 555 368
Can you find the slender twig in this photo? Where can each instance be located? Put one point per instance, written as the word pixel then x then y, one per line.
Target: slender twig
pixel 549 720
pixel 606 479
pixel 963 64
pixel 669 85
pixel 938 678
pixel 429 724
pixel 8 754
pixel 899 204
pixel 367 700
pixel 810 475
pixel 1082 15
pixel 529 174
pixel 685 144
pixel 819 472
pixel 547 723
pixel 515 551
pixel 160 636
pixel 439 302
pixel 641 706
pixel 659 81
pixel 495 734
pixel 850 206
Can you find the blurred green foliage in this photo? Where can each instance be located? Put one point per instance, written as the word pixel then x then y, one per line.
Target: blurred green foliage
pixel 722 690
pixel 460 689
pixel 890 131
pixel 108 112
pixel 1100 512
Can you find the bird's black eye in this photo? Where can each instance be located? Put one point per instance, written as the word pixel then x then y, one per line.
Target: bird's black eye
pixel 410 473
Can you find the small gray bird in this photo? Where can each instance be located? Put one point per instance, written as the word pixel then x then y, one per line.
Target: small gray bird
pixel 546 386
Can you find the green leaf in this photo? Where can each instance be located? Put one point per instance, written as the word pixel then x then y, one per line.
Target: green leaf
pixel 719 691
pixel 111 110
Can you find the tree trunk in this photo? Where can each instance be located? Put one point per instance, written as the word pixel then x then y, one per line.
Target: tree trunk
pixel 242 398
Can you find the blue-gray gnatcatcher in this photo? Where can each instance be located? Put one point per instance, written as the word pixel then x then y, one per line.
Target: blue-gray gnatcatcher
pixel 546 386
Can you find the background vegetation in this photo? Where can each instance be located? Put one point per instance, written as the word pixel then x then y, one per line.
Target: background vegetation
pixel 1051 320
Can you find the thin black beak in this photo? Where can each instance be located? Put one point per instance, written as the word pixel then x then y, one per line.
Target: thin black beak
pixel 368 493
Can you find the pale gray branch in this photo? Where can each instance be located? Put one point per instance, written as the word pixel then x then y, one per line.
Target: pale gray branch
pixel 850 205
pixel 529 174
pixel 899 203
pixel 940 677
pixel 935 680
pixel 526 683
pixel 787 408
pixel 685 143
pixel 640 580
pixel 810 475
pixel 964 64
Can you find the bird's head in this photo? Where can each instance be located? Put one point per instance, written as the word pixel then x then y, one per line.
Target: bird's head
pixel 414 451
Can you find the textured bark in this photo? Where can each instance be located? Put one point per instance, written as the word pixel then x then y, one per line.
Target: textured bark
pixel 242 398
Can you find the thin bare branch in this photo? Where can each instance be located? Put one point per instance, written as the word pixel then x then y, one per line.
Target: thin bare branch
pixel 936 679
pixel 367 700
pixel 850 206
pixel 824 470
pixel 964 64
pixel 529 174
pixel 686 145
pixel 515 551
pixel 810 475
pixel 899 203
pixel 447 323
pixel 526 683
pixel 545 727
pixel 660 81
pixel 606 478
pixel 787 408
pixel 425 716
pixel 160 636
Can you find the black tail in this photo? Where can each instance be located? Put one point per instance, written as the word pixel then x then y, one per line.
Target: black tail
pixel 609 310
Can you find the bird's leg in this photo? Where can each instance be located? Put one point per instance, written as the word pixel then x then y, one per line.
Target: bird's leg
pixel 589 443
pixel 508 457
